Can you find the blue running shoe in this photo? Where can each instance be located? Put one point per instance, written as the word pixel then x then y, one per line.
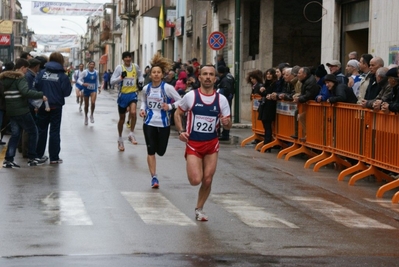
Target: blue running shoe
pixel 154 182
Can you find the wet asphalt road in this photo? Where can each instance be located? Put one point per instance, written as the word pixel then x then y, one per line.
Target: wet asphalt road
pixel 98 209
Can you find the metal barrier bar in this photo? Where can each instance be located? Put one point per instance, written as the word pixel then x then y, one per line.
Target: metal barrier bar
pixel 257 126
pixel 340 132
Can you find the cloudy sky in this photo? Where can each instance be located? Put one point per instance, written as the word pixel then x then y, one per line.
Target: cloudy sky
pixel 52 24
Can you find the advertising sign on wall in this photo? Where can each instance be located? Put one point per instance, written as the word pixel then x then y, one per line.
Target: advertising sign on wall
pixel 179 28
pixel 5 39
pixel 6 26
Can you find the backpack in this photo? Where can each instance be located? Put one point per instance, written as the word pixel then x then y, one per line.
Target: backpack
pixel 232 83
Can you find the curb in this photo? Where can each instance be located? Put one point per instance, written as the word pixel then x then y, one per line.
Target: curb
pixel 241 126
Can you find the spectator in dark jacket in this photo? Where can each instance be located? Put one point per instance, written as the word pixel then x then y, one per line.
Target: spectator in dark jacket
pixel 335 68
pixel 382 86
pixel 373 88
pixel 106 79
pixel 392 102
pixel 338 92
pixel 226 88
pixel 267 109
pixel 309 90
pixel 192 80
pixel 55 84
pixel 16 93
pixel 34 104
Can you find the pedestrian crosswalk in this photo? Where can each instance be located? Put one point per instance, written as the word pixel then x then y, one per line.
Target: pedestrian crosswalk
pixel 65 208
pixel 340 214
pixel 153 208
pixel 250 214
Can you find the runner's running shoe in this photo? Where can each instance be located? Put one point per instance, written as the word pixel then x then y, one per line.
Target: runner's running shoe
pixel 132 139
pixel 154 182
pixel 121 146
pixel 86 120
pixel 91 119
pixel 200 215
pixel 128 124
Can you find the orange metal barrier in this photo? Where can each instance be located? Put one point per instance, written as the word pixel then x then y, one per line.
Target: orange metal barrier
pixel 257 126
pixel 337 133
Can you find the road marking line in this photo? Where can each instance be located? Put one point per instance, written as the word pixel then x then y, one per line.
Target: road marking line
pixel 66 208
pixel 155 209
pixel 384 203
pixel 340 214
pixel 248 213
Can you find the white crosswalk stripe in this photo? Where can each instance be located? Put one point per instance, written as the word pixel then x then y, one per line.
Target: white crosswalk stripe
pixel 340 214
pixel 384 203
pixel 65 208
pixel 250 214
pixel 155 209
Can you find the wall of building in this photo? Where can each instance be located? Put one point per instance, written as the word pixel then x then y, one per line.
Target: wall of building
pixel 330 36
pixel 384 21
pixel 149 40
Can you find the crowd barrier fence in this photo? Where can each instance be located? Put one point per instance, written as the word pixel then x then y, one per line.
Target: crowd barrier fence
pixel 360 141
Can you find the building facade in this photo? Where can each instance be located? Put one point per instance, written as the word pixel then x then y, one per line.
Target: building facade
pixel 260 34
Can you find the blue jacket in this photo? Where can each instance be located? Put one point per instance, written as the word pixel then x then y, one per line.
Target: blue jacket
pixel 324 93
pixel 54 84
pixel 106 76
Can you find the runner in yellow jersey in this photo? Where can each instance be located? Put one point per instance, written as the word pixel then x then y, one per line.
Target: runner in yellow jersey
pixel 130 78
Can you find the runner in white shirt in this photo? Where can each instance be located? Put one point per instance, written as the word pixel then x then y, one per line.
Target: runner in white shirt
pixel 78 87
pixel 156 104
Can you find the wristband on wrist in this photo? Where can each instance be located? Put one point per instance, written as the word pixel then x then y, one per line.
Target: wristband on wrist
pixel 183 131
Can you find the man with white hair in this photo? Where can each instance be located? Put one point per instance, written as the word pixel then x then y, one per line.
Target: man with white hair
pixel 352 69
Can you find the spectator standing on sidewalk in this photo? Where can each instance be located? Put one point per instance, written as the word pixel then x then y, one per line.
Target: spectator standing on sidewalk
pixel 16 94
pixel 55 85
pixel 106 79
pixel 309 91
pixel 226 88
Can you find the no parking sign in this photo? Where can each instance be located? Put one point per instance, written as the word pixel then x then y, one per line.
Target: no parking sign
pixel 216 40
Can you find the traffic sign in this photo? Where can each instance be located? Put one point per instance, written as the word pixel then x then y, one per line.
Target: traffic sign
pixel 216 40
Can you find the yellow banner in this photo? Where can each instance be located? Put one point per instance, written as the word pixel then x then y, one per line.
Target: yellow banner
pixel 161 22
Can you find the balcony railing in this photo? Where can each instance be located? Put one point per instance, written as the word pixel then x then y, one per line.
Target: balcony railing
pixel 151 8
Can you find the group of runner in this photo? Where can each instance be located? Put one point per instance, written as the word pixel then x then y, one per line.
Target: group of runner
pixel 205 110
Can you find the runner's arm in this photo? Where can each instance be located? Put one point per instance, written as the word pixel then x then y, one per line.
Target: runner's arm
pixel 116 76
